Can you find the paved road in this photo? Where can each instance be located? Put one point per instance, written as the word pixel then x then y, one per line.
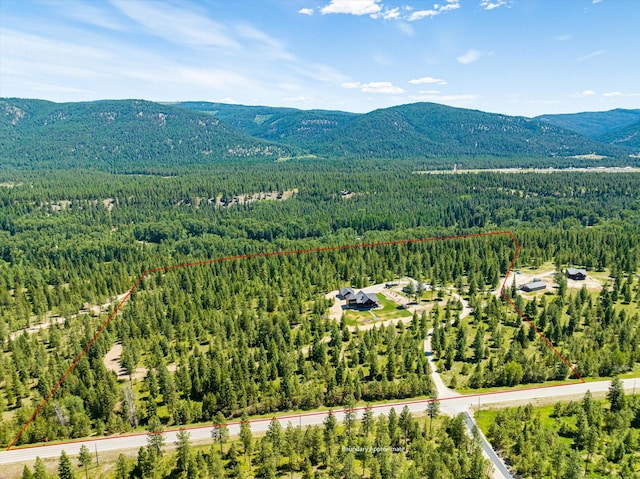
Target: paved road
pixel 453 405
pixel 500 469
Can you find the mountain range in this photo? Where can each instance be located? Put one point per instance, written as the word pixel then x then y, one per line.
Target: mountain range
pixel 617 127
pixel 129 134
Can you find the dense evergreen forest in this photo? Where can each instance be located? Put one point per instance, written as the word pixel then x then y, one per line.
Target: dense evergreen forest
pixel 396 445
pixel 253 336
pixel 586 438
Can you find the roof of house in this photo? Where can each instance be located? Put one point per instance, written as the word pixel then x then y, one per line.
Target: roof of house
pixel 534 285
pixel 575 271
pixel 363 297
pixel 347 293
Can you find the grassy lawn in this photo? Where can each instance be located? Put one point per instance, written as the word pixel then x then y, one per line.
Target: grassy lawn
pixel 389 310
pixel 485 418
pixel 467 390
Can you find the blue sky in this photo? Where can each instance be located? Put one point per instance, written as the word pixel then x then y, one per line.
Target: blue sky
pixel 519 57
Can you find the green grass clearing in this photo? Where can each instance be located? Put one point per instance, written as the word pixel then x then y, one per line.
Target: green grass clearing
pixel 389 310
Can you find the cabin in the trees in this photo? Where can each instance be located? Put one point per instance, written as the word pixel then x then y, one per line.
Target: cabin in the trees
pixel 577 274
pixel 360 300
pixel 533 286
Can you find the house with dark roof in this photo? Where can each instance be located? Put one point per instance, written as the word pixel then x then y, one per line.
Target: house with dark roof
pixel 533 286
pixel 364 300
pixel 347 293
pixel 577 274
pixel 360 300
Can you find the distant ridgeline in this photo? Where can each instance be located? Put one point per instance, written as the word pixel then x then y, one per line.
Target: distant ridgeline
pixel 127 135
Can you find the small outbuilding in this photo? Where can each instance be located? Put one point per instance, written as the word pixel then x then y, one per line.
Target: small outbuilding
pixel 533 286
pixel 577 274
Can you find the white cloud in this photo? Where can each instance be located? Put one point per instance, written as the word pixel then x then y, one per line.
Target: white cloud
pixel 420 14
pixel 306 11
pixel 619 93
pixel 87 13
pixel 436 10
pixel 406 29
pixel 176 25
pixel 427 80
pixel 597 53
pixel 297 99
pixel 470 56
pixel 274 48
pixel 390 14
pixel 429 92
pixel 582 94
pixel 376 10
pixel 319 72
pixel 564 38
pixel 492 4
pixel 596 1
pixel 353 7
pixel 375 87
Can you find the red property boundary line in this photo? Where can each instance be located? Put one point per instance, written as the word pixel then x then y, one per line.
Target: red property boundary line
pixel 126 297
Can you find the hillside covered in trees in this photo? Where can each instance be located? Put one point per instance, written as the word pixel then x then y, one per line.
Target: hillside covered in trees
pixel 135 136
pixel 118 135
pixel 619 126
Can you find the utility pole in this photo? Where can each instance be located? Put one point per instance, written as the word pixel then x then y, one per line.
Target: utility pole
pixel 97 460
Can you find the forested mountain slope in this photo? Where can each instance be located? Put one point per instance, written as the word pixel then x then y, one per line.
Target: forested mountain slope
pixel 431 129
pixel 597 125
pixel 140 136
pixel 406 131
pixel 118 135
pixel 627 136
pixel 287 125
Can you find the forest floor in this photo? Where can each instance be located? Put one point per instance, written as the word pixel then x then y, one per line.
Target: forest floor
pixel 50 318
pixel 112 361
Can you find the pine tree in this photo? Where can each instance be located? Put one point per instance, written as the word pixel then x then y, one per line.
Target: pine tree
pixel 405 421
pixel 616 395
pixel 40 470
pixel 26 473
pixel 84 459
pixel 275 437
pixel 266 461
pixel 367 421
pixel 183 451
pixel 65 469
pixel 433 409
pixel 246 437
pixel 122 467
pixel 155 436
pixel 330 428
pixel 220 431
